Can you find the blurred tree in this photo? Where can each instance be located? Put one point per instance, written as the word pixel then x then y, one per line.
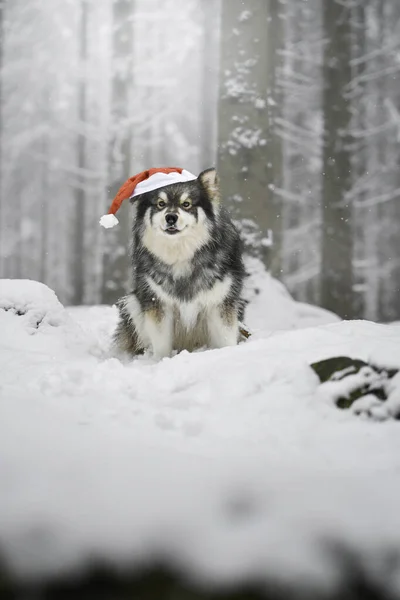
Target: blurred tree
pixel 44 150
pixel 375 158
pixel 211 12
pixel 337 232
pixel 117 240
pixel 77 253
pixel 301 130
pixel 1 125
pixel 250 150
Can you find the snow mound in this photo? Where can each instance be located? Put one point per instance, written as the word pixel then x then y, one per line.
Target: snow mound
pixel 33 301
pixel 30 316
pixel 272 308
pixel 226 463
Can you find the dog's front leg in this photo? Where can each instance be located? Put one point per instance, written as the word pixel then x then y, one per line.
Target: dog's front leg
pixel 158 325
pixel 223 326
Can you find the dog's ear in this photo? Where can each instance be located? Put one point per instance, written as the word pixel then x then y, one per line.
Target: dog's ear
pixel 209 180
pixel 135 199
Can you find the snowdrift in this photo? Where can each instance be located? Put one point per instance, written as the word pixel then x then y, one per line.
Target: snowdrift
pixel 232 464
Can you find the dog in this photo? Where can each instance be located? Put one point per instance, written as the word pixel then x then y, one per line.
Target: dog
pixel 187 269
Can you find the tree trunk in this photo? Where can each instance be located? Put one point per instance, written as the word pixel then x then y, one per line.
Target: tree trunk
pixel 276 41
pixel 78 233
pixel 116 255
pixel 395 220
pixel 378 148
pixel 388 213
pixel 364 301
pixel 249 149
pixel 337 246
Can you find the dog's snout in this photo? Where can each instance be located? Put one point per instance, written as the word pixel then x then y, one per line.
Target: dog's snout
pixel 171 218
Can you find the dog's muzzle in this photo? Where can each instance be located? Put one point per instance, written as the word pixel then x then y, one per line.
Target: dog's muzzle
pixel 171 219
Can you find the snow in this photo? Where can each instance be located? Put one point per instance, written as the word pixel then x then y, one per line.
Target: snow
pixel 229 463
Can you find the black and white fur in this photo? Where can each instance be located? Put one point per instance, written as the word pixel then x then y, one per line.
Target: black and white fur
pixel 187 272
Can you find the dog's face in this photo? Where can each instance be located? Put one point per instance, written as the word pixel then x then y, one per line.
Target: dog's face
pixel 178 217
pixel 176 210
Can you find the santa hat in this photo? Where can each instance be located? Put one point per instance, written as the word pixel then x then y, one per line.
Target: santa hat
pixel 146 181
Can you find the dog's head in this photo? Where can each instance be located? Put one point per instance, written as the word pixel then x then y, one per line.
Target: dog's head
pixel 178 216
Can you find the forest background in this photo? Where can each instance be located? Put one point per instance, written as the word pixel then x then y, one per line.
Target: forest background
pixel 297 103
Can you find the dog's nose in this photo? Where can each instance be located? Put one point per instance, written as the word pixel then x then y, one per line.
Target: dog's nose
pixel 171 218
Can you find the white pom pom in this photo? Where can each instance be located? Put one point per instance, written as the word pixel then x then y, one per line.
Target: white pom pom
pixel 108 221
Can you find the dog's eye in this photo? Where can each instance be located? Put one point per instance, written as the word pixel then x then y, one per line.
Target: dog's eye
pixel 186 204
pixel 161 204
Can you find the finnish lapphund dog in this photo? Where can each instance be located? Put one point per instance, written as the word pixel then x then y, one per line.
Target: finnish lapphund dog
pixel 187 271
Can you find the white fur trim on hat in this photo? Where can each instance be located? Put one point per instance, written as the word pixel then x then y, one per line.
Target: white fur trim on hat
pixel 160 180
pixel 108 221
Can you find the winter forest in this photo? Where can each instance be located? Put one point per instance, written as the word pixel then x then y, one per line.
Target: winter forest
pixel 297 103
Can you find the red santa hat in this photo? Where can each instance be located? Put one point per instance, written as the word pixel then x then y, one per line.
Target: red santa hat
pixel 143 182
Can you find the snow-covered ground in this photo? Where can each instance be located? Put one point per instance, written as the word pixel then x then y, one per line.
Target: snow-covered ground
pixel 228 462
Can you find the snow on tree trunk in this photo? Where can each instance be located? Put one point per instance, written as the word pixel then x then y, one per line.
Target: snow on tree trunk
pixel 337 243
pixel 374 94
pixel 373 213
pixel 364 301
pixel 250 151
pixel 388 212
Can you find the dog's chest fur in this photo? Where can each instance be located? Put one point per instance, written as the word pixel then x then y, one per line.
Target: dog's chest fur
pixel 189 297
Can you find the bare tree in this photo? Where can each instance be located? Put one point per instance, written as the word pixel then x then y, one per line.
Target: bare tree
pixel 337 243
